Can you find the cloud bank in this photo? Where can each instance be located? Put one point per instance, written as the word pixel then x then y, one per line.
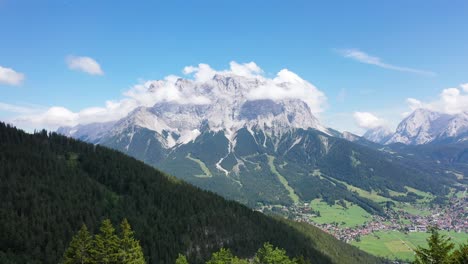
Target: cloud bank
pixel 450 101
pixel 363 57
pixel 84 64
pixel 9 76
pixel 367 120
pixel 190 90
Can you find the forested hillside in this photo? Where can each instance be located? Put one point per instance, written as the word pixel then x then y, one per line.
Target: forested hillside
pixel 50 185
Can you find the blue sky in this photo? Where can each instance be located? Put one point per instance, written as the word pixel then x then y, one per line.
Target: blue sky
pixel 422 47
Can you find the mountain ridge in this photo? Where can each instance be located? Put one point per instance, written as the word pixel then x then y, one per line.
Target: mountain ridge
pixel 224 143
pixel 424 126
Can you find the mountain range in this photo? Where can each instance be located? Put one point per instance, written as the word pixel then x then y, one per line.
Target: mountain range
pixel 270 150
pixel 424 126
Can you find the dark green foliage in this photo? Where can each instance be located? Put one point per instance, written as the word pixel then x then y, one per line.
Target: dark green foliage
pixel 106 244
pixel 105 247
pixel 300 152
pixel 224 256
pixel 460 255
pixel 438 251
pixel 141 145
pixel 181 259
pixel 267 254
pixel 80 248
pixel 229 162
pixel 270 255
pixel 47 194
pixel 129 250
pixel 246 144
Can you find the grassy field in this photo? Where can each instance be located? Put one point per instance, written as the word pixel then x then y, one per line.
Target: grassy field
pixel 394 244
pixel 203 167
pixel 346 217
pixel 284 182
pixel 374 196
pixel 461 194
pixel 413 209
pixel 427 197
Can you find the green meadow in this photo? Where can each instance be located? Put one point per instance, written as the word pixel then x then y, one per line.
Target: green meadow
pixel 398 245
pixel 351 216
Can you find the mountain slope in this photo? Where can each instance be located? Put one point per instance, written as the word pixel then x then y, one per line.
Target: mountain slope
pixel 378 135
pixel 303 159
pixel 252 150
pixel 51 184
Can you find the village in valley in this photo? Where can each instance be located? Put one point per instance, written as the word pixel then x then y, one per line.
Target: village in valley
pixel 452 216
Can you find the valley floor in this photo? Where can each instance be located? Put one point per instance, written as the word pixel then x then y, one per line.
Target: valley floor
pixel 399 245
pixel 394 236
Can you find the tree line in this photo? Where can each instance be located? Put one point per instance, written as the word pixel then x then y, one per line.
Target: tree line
pixel 105 247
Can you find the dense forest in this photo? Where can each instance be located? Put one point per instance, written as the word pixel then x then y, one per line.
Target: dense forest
pixel 51 185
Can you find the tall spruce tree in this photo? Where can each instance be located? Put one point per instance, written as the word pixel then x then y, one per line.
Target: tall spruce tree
pixel 224 256
pixel 106 244
pixel 460 255
pixel 438 251
pixel 79 250
pixel 130 251
pixel 181 259
pixel 270 255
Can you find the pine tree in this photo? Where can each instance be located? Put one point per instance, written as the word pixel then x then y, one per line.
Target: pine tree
pixel 106 244
pixel 224 256
pixel 181 259
pixel 130 251
pixel 438 251
pixel 79 251
pixel 269 255
pixel 460 255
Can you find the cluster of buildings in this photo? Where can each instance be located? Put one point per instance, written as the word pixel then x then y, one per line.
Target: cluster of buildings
pixel 450 217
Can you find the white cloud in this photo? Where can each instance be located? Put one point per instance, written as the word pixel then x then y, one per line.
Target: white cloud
pixel 151 92
pixel 367 120
pixel 363 57
pixel 464 87
pixel 450 101
pixel 203 72
pixel 84 64
pixel 288 85
pixel 172 88
pixel 10 77
pixel 247 69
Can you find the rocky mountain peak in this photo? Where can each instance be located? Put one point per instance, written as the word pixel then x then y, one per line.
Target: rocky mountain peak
pixel 230 108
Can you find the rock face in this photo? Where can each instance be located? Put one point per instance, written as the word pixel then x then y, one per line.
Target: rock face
pixel 229 109
pixel 379 134
pixel 424 126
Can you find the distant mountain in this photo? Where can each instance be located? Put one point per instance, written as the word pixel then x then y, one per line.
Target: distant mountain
pixel 379 134
pixel 424 126
pixel 254 151
pixel 51 185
